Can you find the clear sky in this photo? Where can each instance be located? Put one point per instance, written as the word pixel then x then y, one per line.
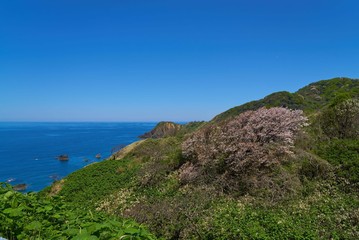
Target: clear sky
pixel 179 60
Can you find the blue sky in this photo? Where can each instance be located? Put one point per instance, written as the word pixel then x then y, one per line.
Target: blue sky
pixel 176 60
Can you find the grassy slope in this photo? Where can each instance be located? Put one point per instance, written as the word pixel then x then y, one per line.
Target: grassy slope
pixel 144 185
pixel 148 190
pixel 309 98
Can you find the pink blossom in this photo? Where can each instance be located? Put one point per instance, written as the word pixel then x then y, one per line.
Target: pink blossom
pixel 252 139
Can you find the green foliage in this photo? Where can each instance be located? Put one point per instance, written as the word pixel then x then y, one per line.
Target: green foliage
pixel 29 216
pixel 326 92
pixel 343 153
pixel 89 185
pixel 158 157
pixel 326 214
pixel 278 99
pixel 341 119
pixel 309 99
pixel 339 98
pixel 202 213
pixel 312 168
pixel 164 149
pixel 301 198
pixel 173 212
pixel 191 127
pixel 231 220
pixel 150 192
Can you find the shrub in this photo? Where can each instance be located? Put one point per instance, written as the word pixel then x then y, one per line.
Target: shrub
pixel 311 167
pixel 341 120
pixel 174 217
pixel 160 156
pixel 343 153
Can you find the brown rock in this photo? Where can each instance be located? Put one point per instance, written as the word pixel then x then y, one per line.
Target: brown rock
pixel 63 157
pixel 20 187
pixel 163 129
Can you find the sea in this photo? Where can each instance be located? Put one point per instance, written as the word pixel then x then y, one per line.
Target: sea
pixel 29 151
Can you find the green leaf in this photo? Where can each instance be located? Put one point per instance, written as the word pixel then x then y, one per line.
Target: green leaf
pixel 131 230
pixel 8 194
pixel 71 232
pixel 35 225
pixel 48 208
pixel 84 235
pixel 13 212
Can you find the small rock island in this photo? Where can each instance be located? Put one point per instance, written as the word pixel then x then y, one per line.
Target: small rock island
pixel 63 157
pixel 20 187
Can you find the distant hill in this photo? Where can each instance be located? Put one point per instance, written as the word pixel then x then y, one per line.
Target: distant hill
pixel 309 98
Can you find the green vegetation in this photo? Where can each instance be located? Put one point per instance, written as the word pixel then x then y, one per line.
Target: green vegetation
pixel 190 127
pixel 341 119
pixel 343 153
pixel 325 214
pixel 278 99
pixel 248 176
pixel 89 185
pixel 311 204
pixel 309 99
pixel 339 123
pixel 320 94
pixel 311 193
pixel 29 216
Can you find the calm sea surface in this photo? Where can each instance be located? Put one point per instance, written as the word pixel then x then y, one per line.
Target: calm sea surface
pixel 28 151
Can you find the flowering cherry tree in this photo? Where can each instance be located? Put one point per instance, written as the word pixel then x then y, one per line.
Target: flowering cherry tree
pixel 253 139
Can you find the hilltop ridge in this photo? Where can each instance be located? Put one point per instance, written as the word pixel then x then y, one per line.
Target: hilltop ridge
pixel 309 98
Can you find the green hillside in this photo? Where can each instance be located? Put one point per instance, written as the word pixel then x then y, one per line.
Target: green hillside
pixel 309 98
pixel 270 173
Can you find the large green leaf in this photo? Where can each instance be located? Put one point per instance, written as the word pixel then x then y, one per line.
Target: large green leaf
pixel 35 225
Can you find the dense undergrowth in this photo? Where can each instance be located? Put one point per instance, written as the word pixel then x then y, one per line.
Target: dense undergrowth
pixel 316 205
pixel 98 179
pixel 30 216
pixel 344 154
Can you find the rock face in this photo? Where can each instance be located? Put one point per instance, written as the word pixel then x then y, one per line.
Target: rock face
pixel 56 188
pixel 163 129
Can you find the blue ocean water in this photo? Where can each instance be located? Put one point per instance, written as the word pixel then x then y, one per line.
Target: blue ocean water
pixel 28 151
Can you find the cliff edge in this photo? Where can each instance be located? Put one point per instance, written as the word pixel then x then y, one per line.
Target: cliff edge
pixel 162 129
